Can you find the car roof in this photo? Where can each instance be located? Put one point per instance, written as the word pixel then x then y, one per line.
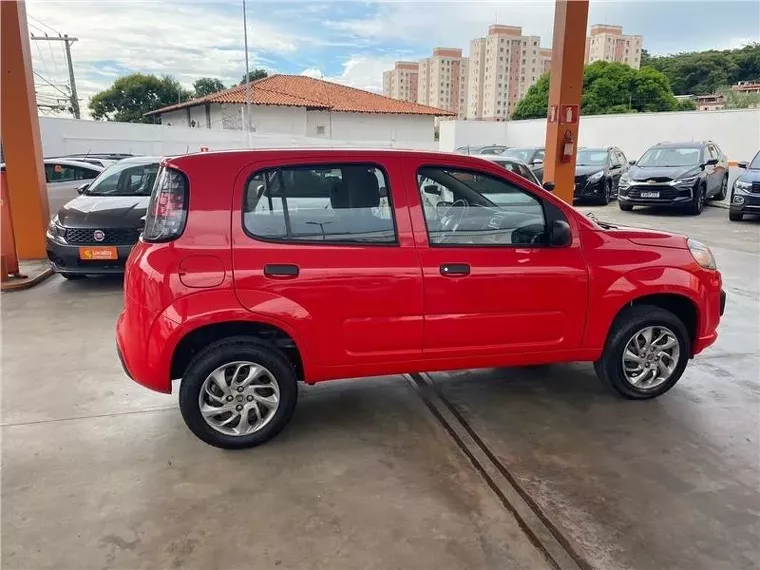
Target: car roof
pixel 72 162
pixel 499 157
pixel 140 160
pixel 691 144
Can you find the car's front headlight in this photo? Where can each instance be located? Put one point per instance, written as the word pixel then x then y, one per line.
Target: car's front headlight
pixel 701 254
pixel 686 180
pixel 742 186
pixel 55 229
pixel 596 176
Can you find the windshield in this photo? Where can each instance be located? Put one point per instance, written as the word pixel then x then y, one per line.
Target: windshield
pixel 524 154
pixel 591 158
pixel 755 164
pixel 125 179
pixel 670 156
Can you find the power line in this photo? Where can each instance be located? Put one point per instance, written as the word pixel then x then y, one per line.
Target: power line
pixel 44 24
pixel 52 85
pixel 67 41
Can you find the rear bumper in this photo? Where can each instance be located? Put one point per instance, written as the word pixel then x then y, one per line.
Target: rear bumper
pixel 145 348
pixel 64 258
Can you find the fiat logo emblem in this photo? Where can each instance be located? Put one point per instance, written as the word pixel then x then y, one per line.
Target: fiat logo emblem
pixel 98 235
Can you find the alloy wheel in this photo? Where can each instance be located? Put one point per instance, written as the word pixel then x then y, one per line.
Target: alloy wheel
pixel 239 398
pixel 650 357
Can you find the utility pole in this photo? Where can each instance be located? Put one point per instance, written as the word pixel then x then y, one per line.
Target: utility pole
pixel 67 41
pixel 247 77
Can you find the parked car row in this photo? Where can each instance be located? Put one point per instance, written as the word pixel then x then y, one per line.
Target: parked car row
pixel 674 175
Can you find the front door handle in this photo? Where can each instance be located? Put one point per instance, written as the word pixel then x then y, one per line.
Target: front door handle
pixel 455 269
pixel 281 271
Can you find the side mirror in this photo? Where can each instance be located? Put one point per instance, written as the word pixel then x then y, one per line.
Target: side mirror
pixel 711 162
pixel 743 164
pixel 548 186
pixel 83 188
pixel 632 162
pixel 537 162
pixel 432 189
pixel 561 235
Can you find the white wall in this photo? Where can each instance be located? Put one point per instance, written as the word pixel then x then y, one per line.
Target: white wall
pixel 300 122
pixel 66 136
pixel 737 132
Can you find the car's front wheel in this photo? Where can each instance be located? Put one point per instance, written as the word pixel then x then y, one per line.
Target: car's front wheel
pixel 735 216
pixel 697 203
pixel 604 199
pixel 238 393
pixel 645 354
pixel 625 207
pixel 721 195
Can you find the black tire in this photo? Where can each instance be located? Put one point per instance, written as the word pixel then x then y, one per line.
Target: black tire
pixel 723 192
pixel 609 368
pixel 231 350
pixel 625 207
pixel 604 199
pixel 697 204
pixel 73 276
pixel 735 217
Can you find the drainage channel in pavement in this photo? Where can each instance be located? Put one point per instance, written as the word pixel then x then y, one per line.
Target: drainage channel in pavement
pixel 539 529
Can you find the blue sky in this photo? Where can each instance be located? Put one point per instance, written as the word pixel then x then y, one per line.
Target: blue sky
pixel 349 42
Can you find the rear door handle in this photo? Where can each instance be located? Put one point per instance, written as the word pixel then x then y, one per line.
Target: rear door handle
pixel 281 270
pixel 455 269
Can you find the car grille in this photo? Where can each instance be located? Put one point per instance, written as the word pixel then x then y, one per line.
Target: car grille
pixel 112 236
pixel 756 187
pixel 580 181
pixel 666 192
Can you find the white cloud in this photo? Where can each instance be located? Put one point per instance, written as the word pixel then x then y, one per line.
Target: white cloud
pixel 358 71
pixel 186 40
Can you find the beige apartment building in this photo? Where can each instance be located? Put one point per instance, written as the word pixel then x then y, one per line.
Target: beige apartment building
pixel 441 81
pixel 502 67
pixel 608 43
pixel 401 81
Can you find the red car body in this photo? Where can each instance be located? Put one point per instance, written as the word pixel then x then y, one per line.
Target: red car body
pixel 368 310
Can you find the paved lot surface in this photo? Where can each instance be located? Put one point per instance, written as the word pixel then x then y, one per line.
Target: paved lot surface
pixel 100 473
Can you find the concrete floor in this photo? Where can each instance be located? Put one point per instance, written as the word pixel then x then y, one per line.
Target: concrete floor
pixel 98 472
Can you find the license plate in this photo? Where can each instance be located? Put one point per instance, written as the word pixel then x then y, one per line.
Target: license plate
pixel 650 194
pixel 100 253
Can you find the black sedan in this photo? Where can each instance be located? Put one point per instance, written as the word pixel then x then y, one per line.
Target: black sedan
pixel 94 233
pixel 598 172
pixel 533 156
pixel 745 195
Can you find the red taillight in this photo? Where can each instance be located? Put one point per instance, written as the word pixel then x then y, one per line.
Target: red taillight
pixel 167 211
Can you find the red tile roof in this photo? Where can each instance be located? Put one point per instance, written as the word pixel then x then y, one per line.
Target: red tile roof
pixel 302 91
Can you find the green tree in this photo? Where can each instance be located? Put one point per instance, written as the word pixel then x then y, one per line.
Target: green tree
pixel 131 96
pixel 207 85
pixel 687 105
pixel 607 88
pixel 254 75
pixel 535 102
pixel 704 72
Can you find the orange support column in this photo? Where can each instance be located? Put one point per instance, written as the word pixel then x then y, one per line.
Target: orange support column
pixel 25 177
pixel 568 52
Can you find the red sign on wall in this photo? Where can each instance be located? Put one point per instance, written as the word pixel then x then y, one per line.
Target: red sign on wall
pixel 569 115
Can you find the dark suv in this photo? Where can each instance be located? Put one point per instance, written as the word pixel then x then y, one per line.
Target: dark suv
pixel 676 174
pixel 598 172
pixel 745 196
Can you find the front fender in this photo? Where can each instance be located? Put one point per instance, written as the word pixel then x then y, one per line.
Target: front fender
pixel 190 313
pixel 606 304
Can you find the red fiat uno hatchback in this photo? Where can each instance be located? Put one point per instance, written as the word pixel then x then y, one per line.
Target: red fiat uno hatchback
pixel 259 269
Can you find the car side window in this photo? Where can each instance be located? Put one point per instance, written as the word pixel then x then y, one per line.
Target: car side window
pixel 713 151
pixel 347 203
pixel 614 161
pixel 86 173
pixel 539 155
pixel 470 208
pixel 621 158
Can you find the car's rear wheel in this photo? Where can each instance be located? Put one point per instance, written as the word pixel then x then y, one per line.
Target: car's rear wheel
pixel 238 393
pixel 625 207
pixel 645 354
pixel 73 276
